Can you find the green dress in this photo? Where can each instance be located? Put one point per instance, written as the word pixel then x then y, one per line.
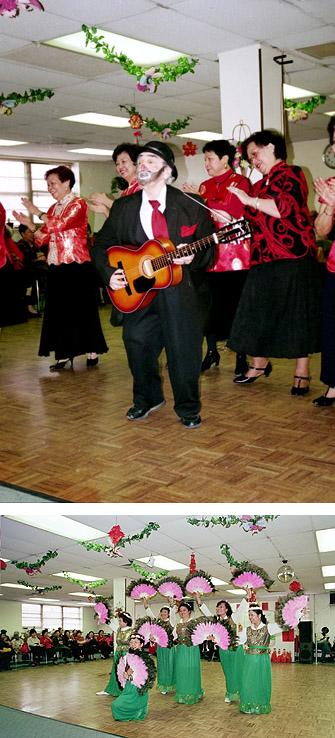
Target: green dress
pixel 232 664
pixel 165 669
pixel 130 705
pixel 256 683
pixel 122 645
pixel 187 668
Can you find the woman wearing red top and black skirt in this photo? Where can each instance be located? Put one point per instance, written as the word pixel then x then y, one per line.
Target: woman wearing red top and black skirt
pixel 71 324
pixel 279 313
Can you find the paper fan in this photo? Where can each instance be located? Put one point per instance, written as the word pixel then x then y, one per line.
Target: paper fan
pixel 289 609
pixel 154 632
pixel 199 582
pixel 248 579
pixel 138 666
pixel 171 587
pixel 210 630
pixel 140 589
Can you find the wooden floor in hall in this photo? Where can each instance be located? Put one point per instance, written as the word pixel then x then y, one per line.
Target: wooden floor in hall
pixel 66 434
pixel 302 703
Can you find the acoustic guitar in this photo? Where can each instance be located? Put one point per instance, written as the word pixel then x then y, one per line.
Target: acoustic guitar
pixel 151 267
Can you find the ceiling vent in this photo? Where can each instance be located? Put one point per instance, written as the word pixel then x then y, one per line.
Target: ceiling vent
pixel 321 51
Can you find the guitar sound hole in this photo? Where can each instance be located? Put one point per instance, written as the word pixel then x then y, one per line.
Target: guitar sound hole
pixel 142 284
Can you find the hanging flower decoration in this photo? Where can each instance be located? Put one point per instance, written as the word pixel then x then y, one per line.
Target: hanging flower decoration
pixel 147 79
pixel 11 100
pixel 30 568
pixel 12 7
pixel 3 565
pixel 164 130
pixel 116 535
pixel 193 564
pixel 149 576
pixel 298 110
pixel 210 630
pixel 249 523
pixel 86 586
pixel 189 148
pixel 33 572
pixel 110 550
pixel 199 582
pixel 171 587
pixel 243 567
pixel 296 587
pixel 140 589
pixel 153 633
pixel 38 589
pixel 143 668
pixel 103 614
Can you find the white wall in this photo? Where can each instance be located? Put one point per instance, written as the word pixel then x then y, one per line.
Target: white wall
pixel 96 177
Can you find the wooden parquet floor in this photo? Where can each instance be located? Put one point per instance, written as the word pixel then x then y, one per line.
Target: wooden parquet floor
pixel 66 435
pixel 302 703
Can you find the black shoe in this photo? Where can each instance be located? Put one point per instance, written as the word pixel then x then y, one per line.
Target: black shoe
pixel 324 401
pixel 300 391
pixel 92 362
pixel 191 422
pixel 241 366
pixel 212 358
pixel 60 365
pixel 139 413
pixel 266 371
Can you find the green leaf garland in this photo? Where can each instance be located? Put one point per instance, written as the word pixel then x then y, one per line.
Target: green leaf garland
pixel 249 523
pixel 165 72
pixel 149 576
pixel 85 585
pixel 100 547
pixel 165 130
pixel 37 588
pixel 36 564
pixel 308 106
pixel 10 100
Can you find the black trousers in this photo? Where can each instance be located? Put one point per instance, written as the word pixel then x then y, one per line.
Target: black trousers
pixel 328 332
pixel 174 321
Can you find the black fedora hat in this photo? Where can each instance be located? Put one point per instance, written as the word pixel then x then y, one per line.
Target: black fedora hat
pixel 163 150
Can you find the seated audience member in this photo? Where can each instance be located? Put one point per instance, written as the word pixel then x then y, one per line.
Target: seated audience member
pixel 6 652
pixel 35 646
pixel 17 641
pixel 47 642
pixel 24 649
pixel 61 645
pixel 104 645
pixel 90 646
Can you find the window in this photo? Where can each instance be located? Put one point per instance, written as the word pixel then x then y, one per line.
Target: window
pixel 51 616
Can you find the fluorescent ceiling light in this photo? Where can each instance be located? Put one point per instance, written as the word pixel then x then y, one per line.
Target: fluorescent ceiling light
pixel 293 93
pixel 329 585
pixel 15 586
pixel 139 51
pixel 61 525
pixel 6 560
pixel 80 594
pixel 325 539
pixel 236 591
pixel 9 142
pixel 95 152
pixel 215 580
pixel 43 599
pixel 75 575
pixel 161 562
pixel 328 571
pixel 202 135
pixel 330 112
pixel 97 119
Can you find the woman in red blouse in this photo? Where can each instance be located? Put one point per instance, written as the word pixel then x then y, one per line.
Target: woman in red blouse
pixel 71 324
pixel 124 157
pixel 279 313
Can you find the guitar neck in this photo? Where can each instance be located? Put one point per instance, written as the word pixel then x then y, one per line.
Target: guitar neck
pixel 238 230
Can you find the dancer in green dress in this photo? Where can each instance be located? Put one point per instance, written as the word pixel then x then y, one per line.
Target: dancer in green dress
pixel 187 661
pixel 232 659
pixel 122 627
pixel 136 673
pixel 256 684
pixel 165 656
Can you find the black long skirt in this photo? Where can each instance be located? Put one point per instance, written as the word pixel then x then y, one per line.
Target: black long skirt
pixel 328 333
pixel 225 292
pixel 279 313
pixel 13 308
pixel 71 323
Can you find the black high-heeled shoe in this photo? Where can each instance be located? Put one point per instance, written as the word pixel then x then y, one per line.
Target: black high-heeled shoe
pixel 300 391
pixel 92 362
pixel 266 371
pixel 324 401
pixel 212 358
pixel 241 366
pixel 60 365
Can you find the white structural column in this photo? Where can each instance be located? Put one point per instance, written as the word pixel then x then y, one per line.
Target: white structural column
pixel 251 89
pixel 119 594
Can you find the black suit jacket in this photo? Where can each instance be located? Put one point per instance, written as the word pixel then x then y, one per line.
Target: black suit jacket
pixel 123 227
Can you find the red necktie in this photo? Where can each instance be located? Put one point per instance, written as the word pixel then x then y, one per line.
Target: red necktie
pixel 158 221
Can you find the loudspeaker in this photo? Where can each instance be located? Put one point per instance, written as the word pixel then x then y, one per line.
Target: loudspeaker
pixel 306 653
pixel 305 631
pixel 332 598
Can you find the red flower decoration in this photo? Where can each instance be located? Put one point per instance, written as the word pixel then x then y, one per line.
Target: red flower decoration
pixel 32 572
pixel 193 565
pixel 115 534
pixel 189 148
pixel 3 564
pixel 295 586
